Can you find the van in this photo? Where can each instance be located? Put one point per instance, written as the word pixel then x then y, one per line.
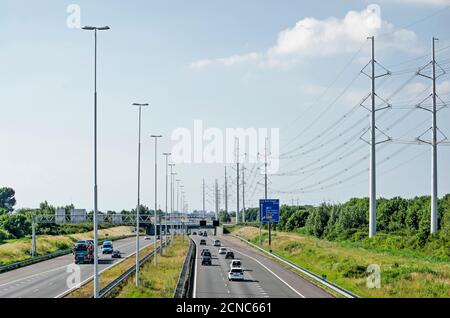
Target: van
pixel 107 247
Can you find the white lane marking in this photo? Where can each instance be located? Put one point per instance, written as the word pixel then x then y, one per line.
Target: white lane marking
pixel 29 278
pixel 35 276
pixel 270 271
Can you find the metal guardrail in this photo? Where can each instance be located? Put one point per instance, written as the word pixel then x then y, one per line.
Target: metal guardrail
pixel 184 286
pixel 38 259
pixel 316 278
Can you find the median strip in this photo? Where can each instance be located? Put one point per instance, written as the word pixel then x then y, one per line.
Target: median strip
pixel 161 281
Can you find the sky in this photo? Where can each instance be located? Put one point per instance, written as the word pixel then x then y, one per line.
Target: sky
pixel 291 65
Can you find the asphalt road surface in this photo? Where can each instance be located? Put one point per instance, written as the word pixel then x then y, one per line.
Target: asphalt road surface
pixel 263 277
pixel 48 279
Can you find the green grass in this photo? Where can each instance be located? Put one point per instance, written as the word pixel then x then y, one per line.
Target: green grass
pixel 403 275
pixel 159 282
pixel 19 249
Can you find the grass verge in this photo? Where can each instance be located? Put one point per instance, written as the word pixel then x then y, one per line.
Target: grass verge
pixel 160 282
pixel 19 250
pixel 402 276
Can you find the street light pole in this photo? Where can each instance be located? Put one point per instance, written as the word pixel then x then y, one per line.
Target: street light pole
pixel 167 154
pixel 171 202
pixel 156 196
pixel 96 280
pixel 178 194
pixel 138 207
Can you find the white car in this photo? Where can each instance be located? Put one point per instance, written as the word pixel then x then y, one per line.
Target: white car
pixel 236 274
pixel 236 264
pixel 222 251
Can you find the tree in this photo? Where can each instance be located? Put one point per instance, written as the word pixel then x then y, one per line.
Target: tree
pixel 224 217
pixel 317 220
pixel 296 220
pixel 18 224
pixel 7 199
pixel 45 207
pixel 251 215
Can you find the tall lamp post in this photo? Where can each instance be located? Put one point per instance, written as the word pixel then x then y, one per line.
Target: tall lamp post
pixel 182 210
pixel 172 174
pixel 96 280
pixel 167 155
pixel 156 194
pixel 138 207
pixel 172 198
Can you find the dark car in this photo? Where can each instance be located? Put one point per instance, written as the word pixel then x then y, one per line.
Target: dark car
pixel 203 242
pixel 205 234
pixel 205 251
pixel 194 233
pixel 229 255
pixel 200 233
pixel 116 254
pixel 206 260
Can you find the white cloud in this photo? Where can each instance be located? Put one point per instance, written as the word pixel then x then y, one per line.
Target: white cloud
pixel 201 64
pixel 228 61
pixel 311 37
pixel 443 88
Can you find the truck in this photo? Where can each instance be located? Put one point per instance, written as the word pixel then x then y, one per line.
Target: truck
pixel 83 252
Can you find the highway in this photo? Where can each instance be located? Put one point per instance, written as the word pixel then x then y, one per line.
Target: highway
pixel 264 278
pixel 48 279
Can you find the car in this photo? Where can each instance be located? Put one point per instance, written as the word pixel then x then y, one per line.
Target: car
pixel 202 242
pixel 229 255
pixel 206 260
pixel 236 274
pixel 217 243
pixel 205 251
pixel 116 254
pixel 90 242
pixel 148 238
pixel 200 233
pixel 205 234
pixel 107 247
pixel 194 233
pixel 236 264
pixel 222 251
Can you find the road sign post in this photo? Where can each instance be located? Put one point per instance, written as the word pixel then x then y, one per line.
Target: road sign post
pixel 269 212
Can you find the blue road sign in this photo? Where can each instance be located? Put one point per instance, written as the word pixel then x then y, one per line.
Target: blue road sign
pixel 269 211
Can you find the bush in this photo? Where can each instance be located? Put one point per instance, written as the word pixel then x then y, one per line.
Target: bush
pixel 18 224
pixel 317 220
pixel 401 224
pixel 4 235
